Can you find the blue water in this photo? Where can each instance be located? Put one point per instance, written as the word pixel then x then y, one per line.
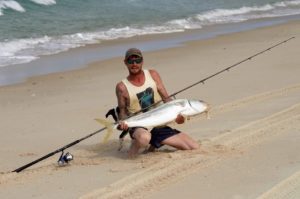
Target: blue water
pixel 32 28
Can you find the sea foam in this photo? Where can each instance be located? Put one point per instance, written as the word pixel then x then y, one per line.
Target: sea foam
pixel 10 5
pixel 44 2
pixel 25 50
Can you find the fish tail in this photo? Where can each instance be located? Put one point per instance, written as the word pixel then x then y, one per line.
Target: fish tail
pixel 109 127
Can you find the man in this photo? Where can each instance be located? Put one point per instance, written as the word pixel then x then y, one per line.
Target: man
pixel 139 90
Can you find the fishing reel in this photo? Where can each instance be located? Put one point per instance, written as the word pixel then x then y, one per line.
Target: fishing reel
pixel 64 159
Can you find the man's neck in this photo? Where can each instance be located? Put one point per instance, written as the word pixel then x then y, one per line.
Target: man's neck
pixel 137 79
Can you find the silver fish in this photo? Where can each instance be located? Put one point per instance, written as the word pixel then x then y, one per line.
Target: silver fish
pixel 165 113
pixel 161 115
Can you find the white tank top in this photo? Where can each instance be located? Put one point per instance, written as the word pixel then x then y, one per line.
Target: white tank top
pixel 141 97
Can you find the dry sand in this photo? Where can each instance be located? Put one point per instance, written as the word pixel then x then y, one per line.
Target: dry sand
pixel 249 148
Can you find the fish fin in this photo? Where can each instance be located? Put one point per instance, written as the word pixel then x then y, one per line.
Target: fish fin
pixel 109 127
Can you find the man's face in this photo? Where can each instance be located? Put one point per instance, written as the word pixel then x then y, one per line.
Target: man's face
pixel 134 64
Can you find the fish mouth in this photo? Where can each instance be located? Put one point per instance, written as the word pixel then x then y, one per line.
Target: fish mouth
pixel 207 106
pixel 198 106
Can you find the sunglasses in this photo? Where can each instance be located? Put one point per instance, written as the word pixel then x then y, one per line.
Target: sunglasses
pixel 135 60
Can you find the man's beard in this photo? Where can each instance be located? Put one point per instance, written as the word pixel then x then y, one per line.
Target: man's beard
pixel 135 71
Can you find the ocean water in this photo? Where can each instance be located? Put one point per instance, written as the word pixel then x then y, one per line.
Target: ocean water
pixel 32 28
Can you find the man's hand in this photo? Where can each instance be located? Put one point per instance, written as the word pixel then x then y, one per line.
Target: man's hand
pixel 122 126
pixel 180 119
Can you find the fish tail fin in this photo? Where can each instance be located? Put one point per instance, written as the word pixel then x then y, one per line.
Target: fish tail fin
pixel 109 126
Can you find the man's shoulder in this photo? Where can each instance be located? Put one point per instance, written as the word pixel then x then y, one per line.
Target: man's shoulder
pixel 153 72
pixel 120 86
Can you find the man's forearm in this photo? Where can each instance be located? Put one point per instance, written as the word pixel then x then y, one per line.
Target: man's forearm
pixel 122 114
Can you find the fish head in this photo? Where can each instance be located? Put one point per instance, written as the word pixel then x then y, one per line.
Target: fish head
pixel 194 107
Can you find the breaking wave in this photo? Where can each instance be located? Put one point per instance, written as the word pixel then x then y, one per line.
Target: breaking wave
pixel 17 51
pixel 16 6
pixel 44 2
pixel 13 5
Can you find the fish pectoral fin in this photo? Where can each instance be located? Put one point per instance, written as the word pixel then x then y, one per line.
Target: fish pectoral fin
pixel 109 127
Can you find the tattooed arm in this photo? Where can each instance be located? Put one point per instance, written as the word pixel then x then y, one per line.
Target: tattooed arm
pixel 122 96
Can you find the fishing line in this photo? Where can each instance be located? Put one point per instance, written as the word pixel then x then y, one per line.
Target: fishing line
pixel 142 110
pixel 217 73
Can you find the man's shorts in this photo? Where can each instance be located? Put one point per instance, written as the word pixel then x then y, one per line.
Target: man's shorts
pixel 158 134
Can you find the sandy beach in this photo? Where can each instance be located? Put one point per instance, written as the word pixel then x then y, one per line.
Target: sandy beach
pixel 249 147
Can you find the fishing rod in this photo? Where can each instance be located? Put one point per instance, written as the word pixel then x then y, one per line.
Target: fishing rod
pixel 217 73
pixel 57 151
pixel 142 110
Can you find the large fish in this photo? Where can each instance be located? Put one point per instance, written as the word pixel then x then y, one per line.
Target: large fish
pixel 160 115
pixel 165 113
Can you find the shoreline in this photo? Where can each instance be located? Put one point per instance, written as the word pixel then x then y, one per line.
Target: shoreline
pixel 81 57
pixel 255 109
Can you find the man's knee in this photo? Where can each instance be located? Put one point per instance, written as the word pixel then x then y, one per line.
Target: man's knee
pixel 182 141
pixel 194 145
pixel 142 136
pixel 190 143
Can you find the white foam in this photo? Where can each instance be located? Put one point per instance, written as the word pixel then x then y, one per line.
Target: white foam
pixel 25 50
pixel 44 2
pixel 185 24
pixel 223 15
pixel 10 5
pixel 217 16
pixel 287 3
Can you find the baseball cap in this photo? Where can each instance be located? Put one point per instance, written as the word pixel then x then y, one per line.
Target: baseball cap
pixel 133 51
